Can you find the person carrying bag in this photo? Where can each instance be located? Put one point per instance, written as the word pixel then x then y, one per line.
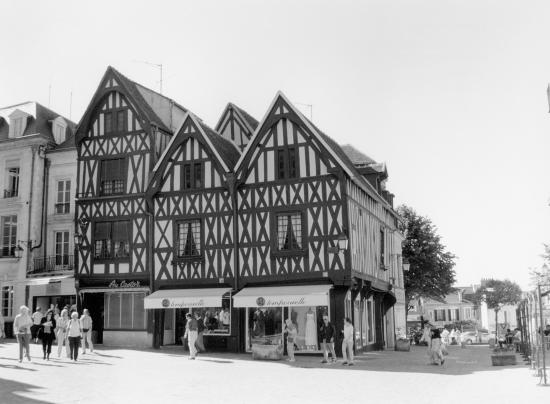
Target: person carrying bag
pixel 74 335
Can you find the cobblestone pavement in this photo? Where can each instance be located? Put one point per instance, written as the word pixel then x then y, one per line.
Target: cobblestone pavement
pixel 166 376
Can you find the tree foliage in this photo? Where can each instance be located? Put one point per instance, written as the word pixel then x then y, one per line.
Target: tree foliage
pixel 431 273
pixel 497 293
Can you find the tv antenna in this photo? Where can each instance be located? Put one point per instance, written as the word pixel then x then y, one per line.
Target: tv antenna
pixel 310 106
pixel 159 65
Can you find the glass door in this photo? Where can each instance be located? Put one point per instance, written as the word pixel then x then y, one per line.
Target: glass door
pixel 61 249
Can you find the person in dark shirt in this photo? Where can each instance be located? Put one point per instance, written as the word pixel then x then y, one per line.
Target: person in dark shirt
pixel 200 328
pixel 327 333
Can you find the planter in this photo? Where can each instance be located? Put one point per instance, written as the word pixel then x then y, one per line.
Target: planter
pixel 267 352
pixel 403 345
pixel 503 359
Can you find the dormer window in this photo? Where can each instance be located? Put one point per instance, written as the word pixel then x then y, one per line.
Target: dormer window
pixel 59 132
pixel 18 123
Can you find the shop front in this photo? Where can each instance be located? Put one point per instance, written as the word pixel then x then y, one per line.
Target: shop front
pixel 268 307
pixel 118 315
pixel 53 292
pixel 212 306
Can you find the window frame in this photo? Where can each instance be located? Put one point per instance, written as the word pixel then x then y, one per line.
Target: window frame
pixel 12 181
pixel 303 251
pixel 111 242
pixel 12 236
pixel 192 174
pixel 195 257
pixel 382 252
pixel 284 153
pixel 7 310
pixel 63 207
pixel 107 305
pixel 124 176
pixel 65 259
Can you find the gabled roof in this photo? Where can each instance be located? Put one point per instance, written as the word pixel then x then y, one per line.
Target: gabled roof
pixel 225 151
pixel 328 143
pixel 157 109
pixel 357 158
pixel 247 119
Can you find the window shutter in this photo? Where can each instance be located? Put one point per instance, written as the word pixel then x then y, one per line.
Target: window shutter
pixel 102 231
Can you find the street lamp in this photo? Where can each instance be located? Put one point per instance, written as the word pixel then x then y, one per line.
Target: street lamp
pixel 18 251
pixel 406 264
pixel 78 239
pixel 341 244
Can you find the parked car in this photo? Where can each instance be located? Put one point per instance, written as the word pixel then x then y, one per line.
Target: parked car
pixel 473 337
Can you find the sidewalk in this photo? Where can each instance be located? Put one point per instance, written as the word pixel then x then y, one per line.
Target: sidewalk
pixel 119 375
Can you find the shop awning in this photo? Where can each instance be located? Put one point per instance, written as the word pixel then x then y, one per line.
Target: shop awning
pixel 276 296
pixel 46 280
pixel 113 290
pixel 184 298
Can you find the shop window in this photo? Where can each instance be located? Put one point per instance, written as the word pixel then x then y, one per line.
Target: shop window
pixel 216 320
pixel 7 301
pixel 112 240
pixel 192 176
pixel 188 239
pixel 124 311
pixel 113 176
pixel 63 202
pixel 12 182
pixel 289 231
pixel 9 235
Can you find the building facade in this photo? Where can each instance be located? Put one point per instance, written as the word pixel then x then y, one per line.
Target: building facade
pixel 245 225
pixel 36 150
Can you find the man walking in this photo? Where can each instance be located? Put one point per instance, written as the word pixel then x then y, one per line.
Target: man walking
pixel 327 334
pixel 191 333
pixel 86 324
pixel 347 343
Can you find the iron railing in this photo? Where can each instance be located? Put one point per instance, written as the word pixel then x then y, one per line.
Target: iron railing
pixel 52 263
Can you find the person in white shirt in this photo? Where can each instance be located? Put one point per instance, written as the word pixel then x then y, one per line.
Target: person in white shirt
pixel 36 321
pixel 445 336
pixel 74 332
pixel 22 330
pixel 86 324
pixel 62 323
pixel 347 343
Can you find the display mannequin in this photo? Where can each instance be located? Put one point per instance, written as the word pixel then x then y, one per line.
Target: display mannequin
pixel 311 330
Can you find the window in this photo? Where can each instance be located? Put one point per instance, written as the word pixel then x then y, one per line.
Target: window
pixel 9 235
pixel 467 313
pixel 7 301
pixel 111 240
pixel 12 182
pixel 192 176
pixel 108 117
pixel 289 231
pixel 62 248
pixel 113 176
pixel 124 311
pixel 382 249
pixel 121 121
pixel 287 163
pixel 188 239
pixel 17 126
pixel 63 204
pixel 439 315
pixel 59 132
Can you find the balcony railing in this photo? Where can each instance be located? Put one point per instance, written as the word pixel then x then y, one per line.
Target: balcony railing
pixel 10 193
pixel 53 263
pixel 61 208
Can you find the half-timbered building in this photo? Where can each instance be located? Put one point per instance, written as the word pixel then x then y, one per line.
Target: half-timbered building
pixel 300 202
pixel 193 235
pixel 237 125
pixel 123 132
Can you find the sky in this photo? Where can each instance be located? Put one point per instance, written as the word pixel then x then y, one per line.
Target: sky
pixel 450 94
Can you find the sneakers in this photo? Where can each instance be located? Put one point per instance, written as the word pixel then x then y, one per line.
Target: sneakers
pixel 344 363
pixel 324 361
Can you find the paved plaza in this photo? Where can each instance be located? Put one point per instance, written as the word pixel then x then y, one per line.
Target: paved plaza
pixel 167 376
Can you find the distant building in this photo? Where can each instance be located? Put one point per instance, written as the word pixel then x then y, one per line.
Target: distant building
pixel 38 174
pixel 453 308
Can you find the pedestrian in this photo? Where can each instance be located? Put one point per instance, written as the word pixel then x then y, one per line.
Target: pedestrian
pixel 74 333
pixel 347 343
pixel 47 332
pixel 425 339
pixel 86 324
pixel 435 351
pixel 327 334
pixel 36 320
pixel 2 324
pixel 445 336
pixel 517 339
pixel 62 324
pixel 22 330
pixel 199 344
pixel 191 333
pixel 291 334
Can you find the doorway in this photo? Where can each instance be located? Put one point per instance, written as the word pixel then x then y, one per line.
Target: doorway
pixel 95 304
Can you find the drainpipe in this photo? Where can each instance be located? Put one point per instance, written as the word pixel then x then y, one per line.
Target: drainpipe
pixel 44 210
pixel 232 185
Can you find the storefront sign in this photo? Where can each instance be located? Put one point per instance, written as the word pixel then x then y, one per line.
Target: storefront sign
pixel 185 298
pixel 281 301
pixel 181 303
pixel 124 285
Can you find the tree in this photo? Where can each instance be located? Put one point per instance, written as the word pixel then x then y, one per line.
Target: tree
pixel 431 273
pixel 496 293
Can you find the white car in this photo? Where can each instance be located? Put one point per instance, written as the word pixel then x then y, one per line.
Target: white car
pixel 473 337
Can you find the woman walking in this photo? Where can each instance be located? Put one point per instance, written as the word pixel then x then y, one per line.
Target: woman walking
pixel 74 332
pixel 22 330
pixel 47 333
pixel 61 326
pixel 292 333
pixel 347 343
pixel 435 351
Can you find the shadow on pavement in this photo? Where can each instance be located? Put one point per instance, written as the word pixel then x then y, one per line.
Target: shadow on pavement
pixel 9 392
